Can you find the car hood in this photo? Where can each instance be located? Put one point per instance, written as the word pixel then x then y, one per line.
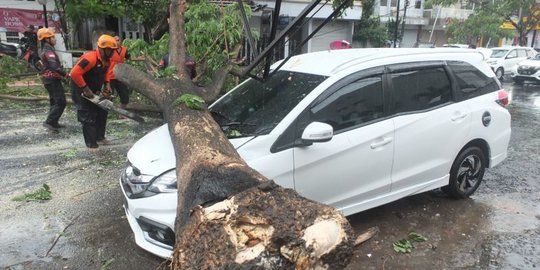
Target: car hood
pixel 153 154
pixel 530 63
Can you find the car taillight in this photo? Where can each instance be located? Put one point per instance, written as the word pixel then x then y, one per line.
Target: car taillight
pixel 502 98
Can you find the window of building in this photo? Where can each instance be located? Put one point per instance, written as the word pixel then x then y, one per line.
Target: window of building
pixel 418 4
pixel 393 3
pixel 352 105
pixel 420 89
pixel 384 3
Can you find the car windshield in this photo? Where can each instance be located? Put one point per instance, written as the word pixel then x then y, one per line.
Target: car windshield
pixel 498 53
pixel 255 108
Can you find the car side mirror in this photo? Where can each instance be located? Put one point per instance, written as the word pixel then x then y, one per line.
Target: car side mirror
pixel 317 132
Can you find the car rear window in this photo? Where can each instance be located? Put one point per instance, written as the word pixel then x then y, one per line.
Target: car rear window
pixel 471 81
pixel 420 89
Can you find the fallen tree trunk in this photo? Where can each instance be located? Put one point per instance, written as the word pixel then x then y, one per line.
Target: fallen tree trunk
pixel 266 227
pixel 130 106
pixel 228 214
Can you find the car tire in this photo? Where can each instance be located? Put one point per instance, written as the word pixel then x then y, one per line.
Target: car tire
pixel 500 74
pixel 466 173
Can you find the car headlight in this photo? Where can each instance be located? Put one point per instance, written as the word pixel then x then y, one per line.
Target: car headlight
pixel 164 183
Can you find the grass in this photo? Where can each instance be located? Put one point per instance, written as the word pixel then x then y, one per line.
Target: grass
pixel 42 194
pixel 70 153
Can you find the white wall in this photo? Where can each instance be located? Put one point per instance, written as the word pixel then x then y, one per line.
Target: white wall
pixel 335 30
pixel 25 4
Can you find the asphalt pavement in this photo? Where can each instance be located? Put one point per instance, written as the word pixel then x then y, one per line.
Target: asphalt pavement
pixel 497 228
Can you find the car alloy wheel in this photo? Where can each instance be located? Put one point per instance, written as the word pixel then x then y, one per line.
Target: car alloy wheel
pixel 468 173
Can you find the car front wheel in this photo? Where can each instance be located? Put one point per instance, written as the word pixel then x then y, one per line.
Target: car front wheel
pixel 500 74
pixel 466 173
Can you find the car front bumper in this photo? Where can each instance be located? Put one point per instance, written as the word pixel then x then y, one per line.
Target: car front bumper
pixel 152 220
pixel 527 76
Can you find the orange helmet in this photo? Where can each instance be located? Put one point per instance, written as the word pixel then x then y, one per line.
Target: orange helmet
pixel 44 33
pixel 106 41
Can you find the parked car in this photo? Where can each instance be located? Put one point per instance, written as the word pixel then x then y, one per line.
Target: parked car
pixel 11 49
pixel 528 70
pixel 504 60
pixel 353 129
pixel 461 46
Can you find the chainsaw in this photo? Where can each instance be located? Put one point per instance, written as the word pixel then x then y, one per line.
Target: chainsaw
pixel 108 105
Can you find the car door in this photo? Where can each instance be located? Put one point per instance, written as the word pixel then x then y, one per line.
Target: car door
pixel 510 61
pixel 429 127
pixel 355 165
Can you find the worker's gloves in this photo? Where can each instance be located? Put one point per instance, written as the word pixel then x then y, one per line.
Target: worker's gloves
pixel 107 91
pixel 87 92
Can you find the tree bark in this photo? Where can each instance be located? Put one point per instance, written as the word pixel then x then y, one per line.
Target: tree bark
pixel 228 214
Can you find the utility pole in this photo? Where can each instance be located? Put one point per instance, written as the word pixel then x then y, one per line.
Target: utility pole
pixel 397 24
pixel 44 3
pixel 403 19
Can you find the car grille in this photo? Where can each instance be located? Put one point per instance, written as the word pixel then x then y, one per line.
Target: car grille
pixel 527 70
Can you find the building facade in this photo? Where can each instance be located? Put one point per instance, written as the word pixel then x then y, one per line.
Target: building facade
pixel 16 15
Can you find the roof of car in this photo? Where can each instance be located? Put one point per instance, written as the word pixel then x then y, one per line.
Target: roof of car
pixel 332 61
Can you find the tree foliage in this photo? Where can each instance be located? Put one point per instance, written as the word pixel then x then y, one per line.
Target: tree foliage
pixel 369 28
pixel 10 66
pixel 488 17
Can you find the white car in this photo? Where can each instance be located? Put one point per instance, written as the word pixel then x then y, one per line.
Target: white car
pixel 504 60
pixel 354 129
pixel 528 70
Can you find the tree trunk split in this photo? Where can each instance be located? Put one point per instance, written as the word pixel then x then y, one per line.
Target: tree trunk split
pixel 265 227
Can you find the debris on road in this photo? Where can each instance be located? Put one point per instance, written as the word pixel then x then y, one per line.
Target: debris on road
pixel 42 194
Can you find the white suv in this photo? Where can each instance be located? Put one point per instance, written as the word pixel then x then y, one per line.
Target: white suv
pixel 528 70
pixel 354 129
pixel 504 60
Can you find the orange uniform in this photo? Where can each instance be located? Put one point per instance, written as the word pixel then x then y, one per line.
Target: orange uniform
pixel 92 71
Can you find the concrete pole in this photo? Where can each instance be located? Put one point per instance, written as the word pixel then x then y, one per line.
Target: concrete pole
pixel 434 23
pixel 397 24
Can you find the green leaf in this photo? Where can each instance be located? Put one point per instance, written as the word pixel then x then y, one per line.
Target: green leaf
pixel 42 194
pixel 417 237
pixel 192 101
pixel 402 246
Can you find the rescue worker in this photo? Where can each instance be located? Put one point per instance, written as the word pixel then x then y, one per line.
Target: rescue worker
pixel 120 56
pixel 51 76
pixel 90 77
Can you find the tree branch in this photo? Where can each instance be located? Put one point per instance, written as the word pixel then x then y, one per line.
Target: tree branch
pixel 143 82
pixel 177 44
pixel 211 92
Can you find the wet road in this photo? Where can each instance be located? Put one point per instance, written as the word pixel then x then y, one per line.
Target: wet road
pixel 498 228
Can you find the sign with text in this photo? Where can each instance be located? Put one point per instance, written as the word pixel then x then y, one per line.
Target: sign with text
pixel 17 20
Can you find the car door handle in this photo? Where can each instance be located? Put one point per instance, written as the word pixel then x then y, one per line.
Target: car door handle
pixel 382 142
pixel 458 117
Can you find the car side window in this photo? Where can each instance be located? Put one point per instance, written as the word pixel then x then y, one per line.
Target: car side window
pixel 420 89
pixel 512 54
pixel 352 105
pixel 522 53
pixel 471 82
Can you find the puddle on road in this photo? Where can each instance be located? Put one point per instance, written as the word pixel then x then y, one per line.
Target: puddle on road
pixel 25 242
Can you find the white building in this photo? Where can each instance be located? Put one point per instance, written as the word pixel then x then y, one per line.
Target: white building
pixel 339 29
pixel 16 15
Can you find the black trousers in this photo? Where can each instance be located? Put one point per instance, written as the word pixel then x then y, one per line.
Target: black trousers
pixel 122 90
pixel 92 118
pixel 57 101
